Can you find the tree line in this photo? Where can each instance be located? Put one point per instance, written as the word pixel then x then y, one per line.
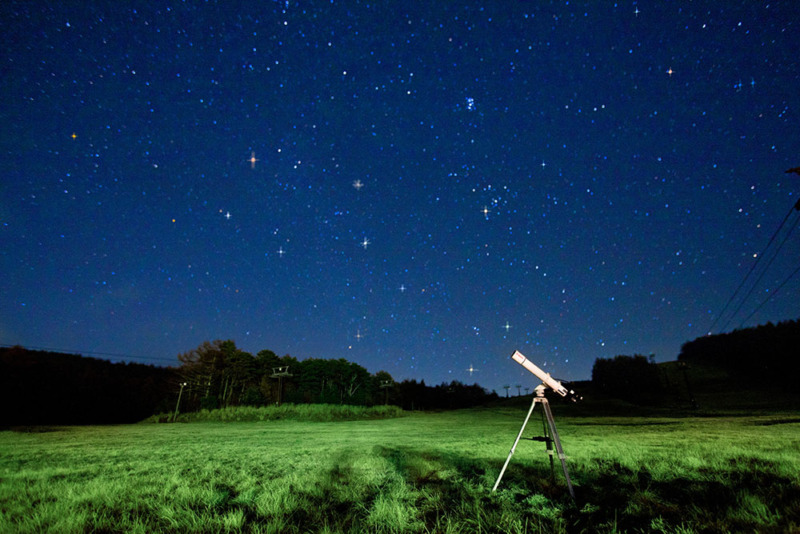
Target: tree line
pixel 765 354
pixel 768 353
pixel 52 388
pixel 41 387
pixel 219 374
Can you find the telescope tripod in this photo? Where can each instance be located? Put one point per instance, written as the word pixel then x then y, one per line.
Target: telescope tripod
pixel 550 437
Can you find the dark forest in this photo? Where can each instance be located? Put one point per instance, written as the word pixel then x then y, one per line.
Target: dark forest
pixel 46 388
pixel 50 388
pixel 766 354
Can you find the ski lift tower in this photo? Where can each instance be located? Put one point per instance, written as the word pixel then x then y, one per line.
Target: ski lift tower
pixel 385 385
pixel 280 373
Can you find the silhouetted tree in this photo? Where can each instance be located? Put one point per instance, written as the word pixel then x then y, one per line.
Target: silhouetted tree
pixel 631 378
pixel 238 374
pixel 381 388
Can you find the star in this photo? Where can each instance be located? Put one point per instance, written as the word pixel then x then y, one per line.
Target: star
pixel 228 215
pixel 359 335
pixel 485 212
pixel 471 369
pixel 365 243
pixel 402 288
pixel 281 252
pixel 670 71
pixel 252 160
pixel 358 185
pixel 507 327
pixel 74 135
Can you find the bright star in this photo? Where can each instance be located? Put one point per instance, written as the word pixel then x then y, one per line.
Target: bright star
pixel 252 160
pixel 228 215
pixel 365 243
pixel 281 252
pixel 507 326
pixel 358 185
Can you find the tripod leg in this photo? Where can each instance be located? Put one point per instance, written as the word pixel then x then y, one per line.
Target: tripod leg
pixel 511 453
pixel 561 455
pixel 548 440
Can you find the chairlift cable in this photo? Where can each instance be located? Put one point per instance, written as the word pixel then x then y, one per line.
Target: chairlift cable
pixel 752 268
pixel 777 289
pixel 763 272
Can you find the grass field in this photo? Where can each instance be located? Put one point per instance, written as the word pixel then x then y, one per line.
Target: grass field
pixel 419 473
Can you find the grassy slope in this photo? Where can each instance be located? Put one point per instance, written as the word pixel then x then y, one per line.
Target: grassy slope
pixel 425 472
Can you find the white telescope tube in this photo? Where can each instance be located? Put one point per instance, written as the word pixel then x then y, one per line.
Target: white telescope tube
pixel 546 379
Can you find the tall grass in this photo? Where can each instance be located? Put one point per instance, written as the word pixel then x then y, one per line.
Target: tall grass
pixel 420 473
pixel 294 412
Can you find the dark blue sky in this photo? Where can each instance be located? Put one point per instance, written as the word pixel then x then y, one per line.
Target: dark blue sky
pixel 432 186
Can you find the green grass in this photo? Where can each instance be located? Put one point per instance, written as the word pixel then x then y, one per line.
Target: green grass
pixel 420 473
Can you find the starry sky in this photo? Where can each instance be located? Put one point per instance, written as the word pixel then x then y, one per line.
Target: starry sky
pixel 418 187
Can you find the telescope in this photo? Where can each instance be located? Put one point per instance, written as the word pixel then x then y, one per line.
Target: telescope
pixel 539 398
pixel 546 379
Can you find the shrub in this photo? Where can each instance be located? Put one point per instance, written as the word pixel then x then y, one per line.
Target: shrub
pixel 294 412
pixel 209 403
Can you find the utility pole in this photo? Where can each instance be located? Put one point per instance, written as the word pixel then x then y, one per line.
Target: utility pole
pixel 178 404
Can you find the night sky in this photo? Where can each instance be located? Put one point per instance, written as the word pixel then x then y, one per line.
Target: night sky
pixel 418 187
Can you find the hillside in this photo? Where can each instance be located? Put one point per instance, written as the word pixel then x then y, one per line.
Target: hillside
pixel 39 387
